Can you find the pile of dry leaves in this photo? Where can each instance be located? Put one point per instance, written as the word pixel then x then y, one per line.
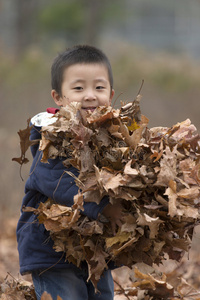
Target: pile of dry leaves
pixel 16 289
pixel 153 173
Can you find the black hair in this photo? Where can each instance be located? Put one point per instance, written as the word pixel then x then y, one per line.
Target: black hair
pixel 75 55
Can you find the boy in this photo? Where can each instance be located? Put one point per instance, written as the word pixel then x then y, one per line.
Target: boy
pixel 81 74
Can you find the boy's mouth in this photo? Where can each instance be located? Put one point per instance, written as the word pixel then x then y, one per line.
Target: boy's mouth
pixel 92 108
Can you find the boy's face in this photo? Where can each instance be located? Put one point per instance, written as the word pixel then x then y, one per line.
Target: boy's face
pixel 87 84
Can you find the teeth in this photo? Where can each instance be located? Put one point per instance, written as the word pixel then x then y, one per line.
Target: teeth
pixel 89 108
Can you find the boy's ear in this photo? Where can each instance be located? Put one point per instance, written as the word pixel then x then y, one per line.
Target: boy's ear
pixel 112 95
pixel 56 97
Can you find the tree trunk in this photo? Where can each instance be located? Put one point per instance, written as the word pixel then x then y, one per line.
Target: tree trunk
pixel 93 10
pixel 26 15
pixel 17 25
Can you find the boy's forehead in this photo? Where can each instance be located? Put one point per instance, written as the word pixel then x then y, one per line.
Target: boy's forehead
pixel 81 68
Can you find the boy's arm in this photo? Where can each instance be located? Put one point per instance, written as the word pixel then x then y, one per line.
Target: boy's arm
pixel 52 180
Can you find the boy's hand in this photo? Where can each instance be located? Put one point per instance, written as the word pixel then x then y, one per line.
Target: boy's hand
pixel 113 212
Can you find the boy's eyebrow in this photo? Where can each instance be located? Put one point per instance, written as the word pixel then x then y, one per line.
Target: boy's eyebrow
pixel 96 80
pixel 78 80
pixel 101 80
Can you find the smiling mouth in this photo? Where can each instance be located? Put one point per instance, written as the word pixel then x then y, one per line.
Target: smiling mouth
pixel 89 108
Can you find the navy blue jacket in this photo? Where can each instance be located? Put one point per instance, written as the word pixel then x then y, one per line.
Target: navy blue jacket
pixel 46 180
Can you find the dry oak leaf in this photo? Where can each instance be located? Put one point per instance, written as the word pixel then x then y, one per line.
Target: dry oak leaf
pixel 167 168
pixel 46 296
pixel 96 260
pixel 157 287
pixel 102 114
pixel 16 289
pixel 186 291
pixel 172 196
pixel 56 217
pixel 119 239
pixel 152 223
pixel 25 143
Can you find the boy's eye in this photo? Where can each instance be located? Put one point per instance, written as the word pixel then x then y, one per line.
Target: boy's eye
pixel 99 87
pixel 78 88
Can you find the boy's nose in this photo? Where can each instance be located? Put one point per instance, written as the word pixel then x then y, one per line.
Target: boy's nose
pixel 90 95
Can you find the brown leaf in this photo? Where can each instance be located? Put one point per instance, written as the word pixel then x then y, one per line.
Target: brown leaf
pixel 190 193
pixel 132 110
pixel 25 143
pixel 102 114
pixel 96 259
pixel 189 168
pixel 46 296
pixel 157 287
pixel 168 168
pixel 119 239
pixel 44 147
pixel 152 223
pixel 136 136
pixel 128 170
pixel 187 290
pixel 87 160
pixel 171 193
pixel 16 289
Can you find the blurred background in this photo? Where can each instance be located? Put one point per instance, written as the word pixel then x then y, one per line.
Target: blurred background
pixel 155 41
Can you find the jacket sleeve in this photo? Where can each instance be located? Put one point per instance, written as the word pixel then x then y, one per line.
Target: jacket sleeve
pixel 53 180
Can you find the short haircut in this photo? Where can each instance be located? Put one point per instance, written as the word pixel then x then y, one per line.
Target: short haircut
pixel 80 54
